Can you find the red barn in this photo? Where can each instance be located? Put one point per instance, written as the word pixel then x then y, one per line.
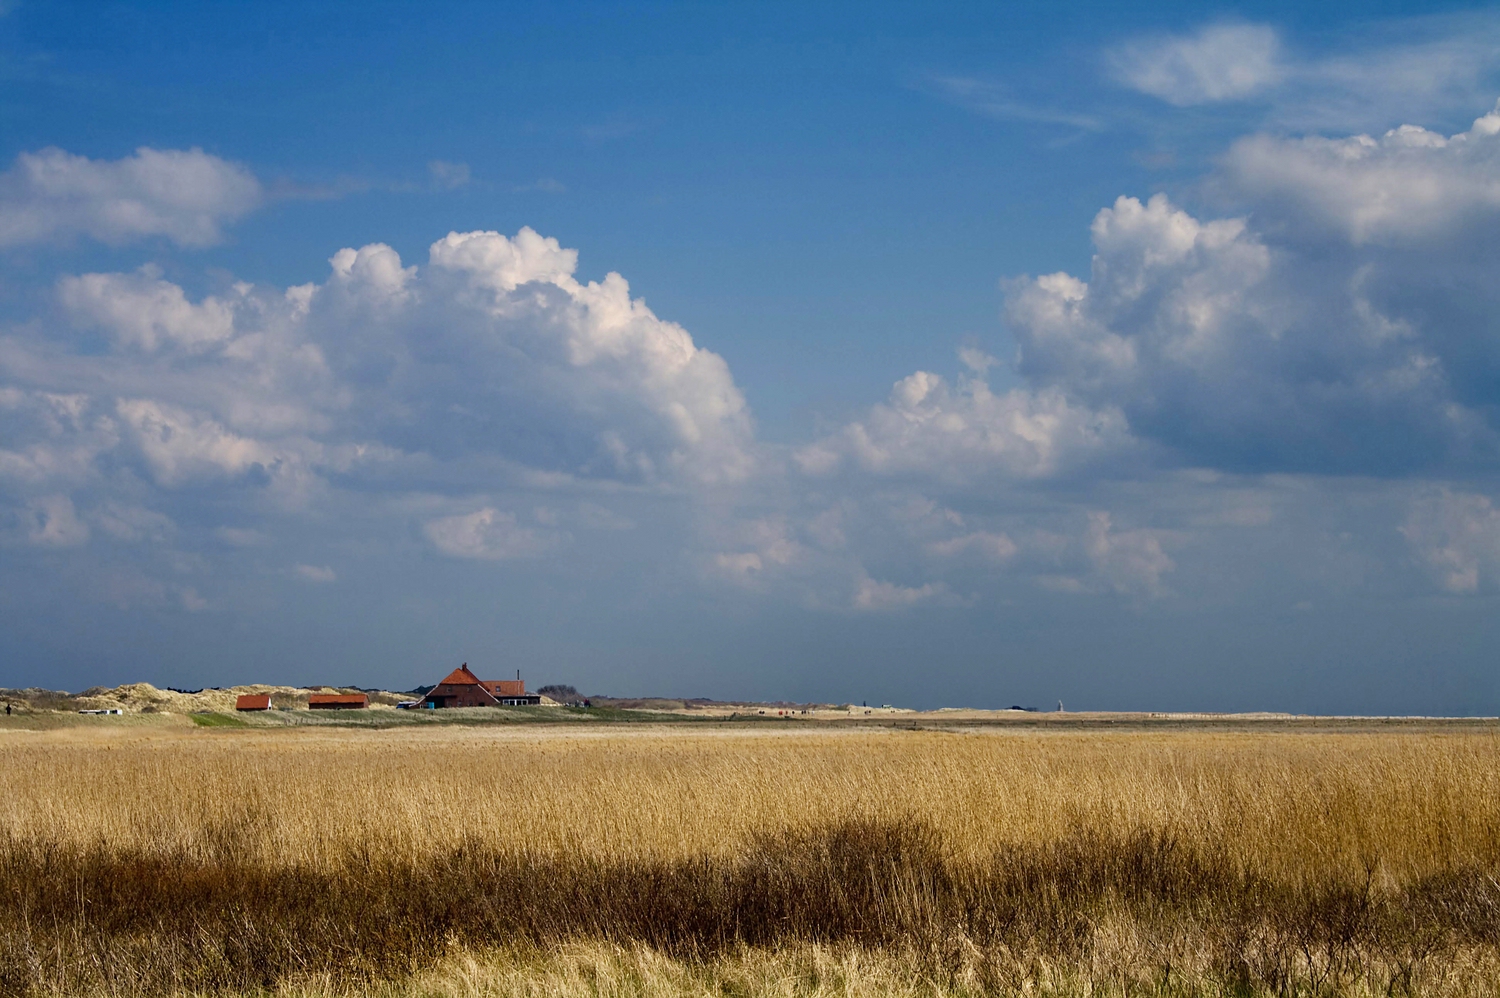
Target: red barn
pixel 461 688
pixel 337 701
pixel 253 701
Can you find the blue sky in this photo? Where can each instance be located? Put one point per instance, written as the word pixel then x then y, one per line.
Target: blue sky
pixel 973 354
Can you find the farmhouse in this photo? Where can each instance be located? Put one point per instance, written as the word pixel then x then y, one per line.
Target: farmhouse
pixel 253 701
pixel 461 688
pixel 337 701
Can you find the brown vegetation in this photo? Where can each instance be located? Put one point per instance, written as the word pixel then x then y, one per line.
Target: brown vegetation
pixel 450 860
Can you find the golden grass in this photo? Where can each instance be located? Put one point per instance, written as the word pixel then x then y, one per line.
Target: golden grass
pixel 1063 861
pixel 1285 804
pixel 606 970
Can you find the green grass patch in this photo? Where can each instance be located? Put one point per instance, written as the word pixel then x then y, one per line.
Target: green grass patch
pixel 217 720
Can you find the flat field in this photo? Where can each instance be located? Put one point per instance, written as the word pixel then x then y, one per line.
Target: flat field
pixel 152 856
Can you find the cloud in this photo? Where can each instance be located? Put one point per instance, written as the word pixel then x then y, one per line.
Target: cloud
pixel 486 379
pixel 240 536
pixel 55 523
pixel 502 265
pixel 1129 561
pixel 317 573
pixel 1216 63
pixel 1337 322
pixel 179 444
pixel 448 176
pixel 766 545
pixel 1456 536
pixel 132 523
pixel 1324 309
pixel 995 101
pixel 991 546
pixel 1381 73
pixel 491 357
pixel 1409 186
pixel 1401 70
pixel 185 196
pixel 673 410
pixel 875 596
pixel 52 440
pixel 1177 280
pixel 741 566
pixel 488 534
pixel 966 431
pixel 592 516
pixel 142 310
pixel 1250 349
pixel 371 276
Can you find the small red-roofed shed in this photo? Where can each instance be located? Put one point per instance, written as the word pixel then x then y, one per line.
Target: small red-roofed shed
pixel 253 701
pixel 337 701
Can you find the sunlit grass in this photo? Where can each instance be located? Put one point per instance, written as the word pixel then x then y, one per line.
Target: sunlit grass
pixel 1049 861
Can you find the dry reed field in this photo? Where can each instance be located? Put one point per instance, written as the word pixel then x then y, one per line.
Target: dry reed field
pixel 161 859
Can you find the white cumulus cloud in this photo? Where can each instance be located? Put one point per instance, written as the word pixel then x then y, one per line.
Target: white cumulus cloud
pixel 965 431
pixel 1409 185
pixel 670 408
pixel 143 310
pixel 186 196
pixel 1326 307
pixel 1244 348
pixel 491 357
pixel 179 444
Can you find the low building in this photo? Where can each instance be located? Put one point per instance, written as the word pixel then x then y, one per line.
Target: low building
pixel 512 692
pixel 461 688
pixel 253 701
pixel 337 701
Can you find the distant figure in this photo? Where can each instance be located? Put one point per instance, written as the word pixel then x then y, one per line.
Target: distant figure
pixel 7 710
pixel 1059 707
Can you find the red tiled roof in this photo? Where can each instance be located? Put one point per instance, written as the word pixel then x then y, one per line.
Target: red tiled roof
pixel 462 683
pixel 253 701
pixel 461 676
pixel 351 699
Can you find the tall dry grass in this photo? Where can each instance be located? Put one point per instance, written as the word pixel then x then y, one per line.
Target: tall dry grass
pixel 152 860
